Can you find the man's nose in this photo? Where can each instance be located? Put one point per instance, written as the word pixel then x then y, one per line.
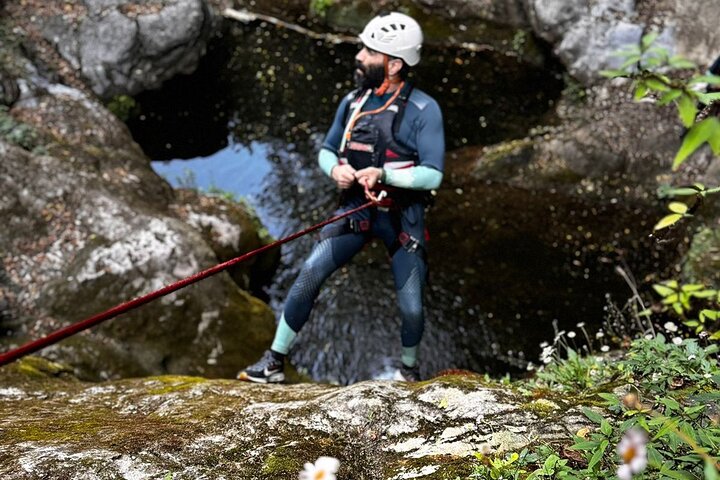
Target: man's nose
pixel 361 55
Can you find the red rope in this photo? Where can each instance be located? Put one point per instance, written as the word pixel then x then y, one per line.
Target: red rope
pixel 78 327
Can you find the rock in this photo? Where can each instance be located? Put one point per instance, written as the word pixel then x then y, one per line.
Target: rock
pixel 586 33
pixel 604 141
pixel 89 226
pixel 191 427
pixel 231 229
pixel 122 47
pixel 703 258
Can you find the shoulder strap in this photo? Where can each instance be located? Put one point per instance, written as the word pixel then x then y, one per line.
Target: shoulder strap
pixel 401 103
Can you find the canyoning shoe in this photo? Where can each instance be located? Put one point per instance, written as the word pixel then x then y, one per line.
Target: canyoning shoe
pixel 268 369
pixel 408 374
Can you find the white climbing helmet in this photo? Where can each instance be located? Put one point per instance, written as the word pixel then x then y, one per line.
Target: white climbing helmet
pixel 394 34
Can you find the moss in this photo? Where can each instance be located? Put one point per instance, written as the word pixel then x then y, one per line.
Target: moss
pixel 282 461
pixel 451 467
pixel 39 367
pixel 541 407
pixel 173 383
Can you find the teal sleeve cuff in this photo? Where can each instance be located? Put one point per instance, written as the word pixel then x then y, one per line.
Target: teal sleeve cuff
pixel 327 160
pixel 415 178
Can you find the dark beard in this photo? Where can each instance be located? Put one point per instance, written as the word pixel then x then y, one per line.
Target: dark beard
pixel 371 77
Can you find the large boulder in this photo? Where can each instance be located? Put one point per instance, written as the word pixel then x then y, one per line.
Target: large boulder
pixel 586 33
pixel 89 225
pixel 191 427
pixel 118 46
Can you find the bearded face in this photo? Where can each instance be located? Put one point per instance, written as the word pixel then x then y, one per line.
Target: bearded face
pixel 368 76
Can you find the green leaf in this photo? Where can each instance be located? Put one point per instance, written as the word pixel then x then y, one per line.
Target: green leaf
pixel 705 294
pixel 670 403
pixel 667 191
pixel 640 91
pixel 667 221
pixel 711 473
pixel 655 84
pixel 678 207
pixel 679 475
pixel 687 110
pixel 676 61
pixel 690 287
pixel 585 445
pixel 710 314
pixel 631 60
pixel 695 409
pixel 714 135
pixel 550 462
pixel 614 73
pixel 669 425
pixel 605 428
pixel 698 134
pixel 655 458
pixel 662 290
pixel 649 39
pixel 610 398
pixel 597 456
pixel 711 79
pixel 708 98
pixel 592 415
pixel 668 97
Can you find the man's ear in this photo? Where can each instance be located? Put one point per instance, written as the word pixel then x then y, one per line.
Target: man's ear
pixel 394 66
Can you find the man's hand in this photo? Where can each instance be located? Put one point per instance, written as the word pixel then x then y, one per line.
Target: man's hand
pixel 344 175
pixel 369 176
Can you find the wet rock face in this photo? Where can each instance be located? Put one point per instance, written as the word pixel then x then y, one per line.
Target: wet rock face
pixel 230 230
pixel 195 428
pixel 585 33
pixel 122 47
pixel 89 226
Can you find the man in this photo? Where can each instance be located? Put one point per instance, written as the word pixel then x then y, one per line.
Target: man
pixel 385 136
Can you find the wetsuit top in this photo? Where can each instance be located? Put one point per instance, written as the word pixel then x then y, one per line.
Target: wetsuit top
pixel 421 130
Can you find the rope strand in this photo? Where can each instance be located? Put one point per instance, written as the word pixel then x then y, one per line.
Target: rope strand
pixel 78 327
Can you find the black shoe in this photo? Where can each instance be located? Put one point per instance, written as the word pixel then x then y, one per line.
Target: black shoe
pixel 266 370
pixel 408 374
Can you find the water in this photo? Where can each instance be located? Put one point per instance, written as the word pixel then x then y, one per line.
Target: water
pixel 502 267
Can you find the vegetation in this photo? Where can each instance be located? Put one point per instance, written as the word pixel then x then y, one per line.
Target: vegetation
pixel 667 391
pixel 654 409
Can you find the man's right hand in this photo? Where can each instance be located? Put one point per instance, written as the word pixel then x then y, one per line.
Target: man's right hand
pixel 344 175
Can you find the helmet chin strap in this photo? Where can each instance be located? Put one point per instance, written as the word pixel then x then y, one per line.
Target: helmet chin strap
pixel 387 82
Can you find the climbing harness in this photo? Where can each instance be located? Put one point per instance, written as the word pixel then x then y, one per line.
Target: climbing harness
pixel 78 327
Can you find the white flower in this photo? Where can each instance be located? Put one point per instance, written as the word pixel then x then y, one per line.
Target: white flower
pixel 325 468
pixel 544 344
pixel 677 340
pixel 599 334
pixel 546 355
pixel 691 357
pixel 670 327
pixel 604 348
pixel 649 337
pixel 580 325
pixel 632 450
pixel 571 334
pixel 530 367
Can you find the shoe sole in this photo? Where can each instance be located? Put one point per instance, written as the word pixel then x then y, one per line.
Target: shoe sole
pixel 274 378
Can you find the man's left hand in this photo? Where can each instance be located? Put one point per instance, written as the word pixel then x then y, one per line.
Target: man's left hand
pixel 369 176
